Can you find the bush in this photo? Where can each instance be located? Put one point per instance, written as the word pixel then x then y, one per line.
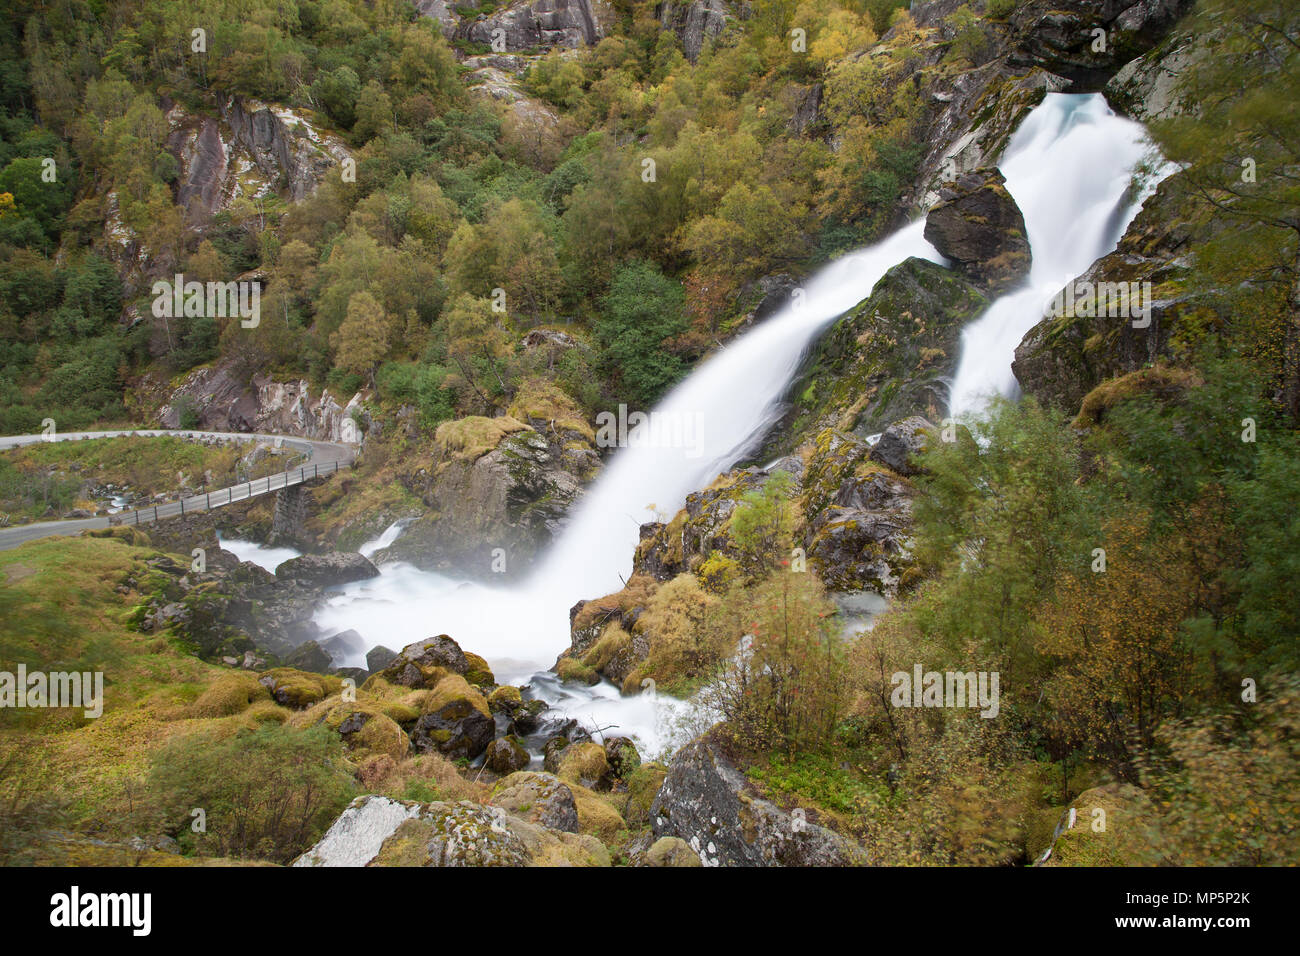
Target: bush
pixel 267 793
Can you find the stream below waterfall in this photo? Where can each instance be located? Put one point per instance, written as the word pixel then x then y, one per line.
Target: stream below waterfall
pixel 1070 166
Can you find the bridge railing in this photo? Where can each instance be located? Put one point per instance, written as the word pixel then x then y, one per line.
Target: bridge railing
pixel 204 502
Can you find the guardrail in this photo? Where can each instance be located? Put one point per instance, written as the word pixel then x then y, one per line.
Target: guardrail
pixel 204 502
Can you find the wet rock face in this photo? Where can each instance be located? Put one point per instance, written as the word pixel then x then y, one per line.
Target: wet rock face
pixel 888 358
pixel 227 401
pixel 708 803
pixel 285 145
pixel 978 225
pixel 1076 347
pixel 901 444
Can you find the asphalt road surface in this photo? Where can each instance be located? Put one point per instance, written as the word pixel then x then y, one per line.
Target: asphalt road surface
pixel 325 458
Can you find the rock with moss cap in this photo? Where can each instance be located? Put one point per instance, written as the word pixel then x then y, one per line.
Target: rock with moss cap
pixel 426 662
pixel 586 764
pixel 506 755
pixel 378 831
pixel 538 798
pixel 622 756
pixel 298 689
pixel 498 485
pixel 671 851
pixel 455 720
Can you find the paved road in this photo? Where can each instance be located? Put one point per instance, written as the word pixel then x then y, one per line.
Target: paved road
pixel 324 458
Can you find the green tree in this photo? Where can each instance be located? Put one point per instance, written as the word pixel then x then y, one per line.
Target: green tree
pixel 644 308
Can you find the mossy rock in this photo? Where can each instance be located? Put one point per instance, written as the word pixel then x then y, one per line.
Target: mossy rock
pixel 505 699
pixel 470 438
pixel 1108 828
pixel 585 764
pixel 229 694
pixel 569 669
pixel 506 755
pixel 478 672
pixel 671 851
pixel 595 815
pixel 298 689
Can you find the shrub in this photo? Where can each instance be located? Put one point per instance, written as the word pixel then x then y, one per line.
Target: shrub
pixel 267 793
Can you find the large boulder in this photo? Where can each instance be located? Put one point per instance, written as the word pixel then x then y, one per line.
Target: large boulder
pixel 538 798
pixel 455 721
pixel 378 831
pixel 327 570
pixel 426 662
pixel 978 225
pixel 708 802
pixel 310 656
pixel 858 516
pixel 1088 40
pixel 1079 344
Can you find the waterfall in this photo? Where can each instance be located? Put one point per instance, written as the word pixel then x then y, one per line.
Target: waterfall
pixel 1069 167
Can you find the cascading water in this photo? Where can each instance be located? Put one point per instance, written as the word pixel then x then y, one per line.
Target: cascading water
pixel 1069 167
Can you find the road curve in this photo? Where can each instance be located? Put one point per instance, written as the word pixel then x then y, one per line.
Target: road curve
pixel 326 457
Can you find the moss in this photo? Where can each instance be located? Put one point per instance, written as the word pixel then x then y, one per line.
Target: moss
pixel 407 846
pixel 453 689
pixel 643 785
pixel 569 669
pixel 596 816
pixel 636 593
pixel 1161 380
pixel 612 640
pixel 478 672
pixel 1125 813
pixel 540 400
pixel 468 439
pixel 505 698
pixel 585 764
pixel 229 694
pixel 300 689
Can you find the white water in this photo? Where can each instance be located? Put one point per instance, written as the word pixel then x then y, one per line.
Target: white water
pixel 389 535
pixel 1069 167
pixel 267 557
